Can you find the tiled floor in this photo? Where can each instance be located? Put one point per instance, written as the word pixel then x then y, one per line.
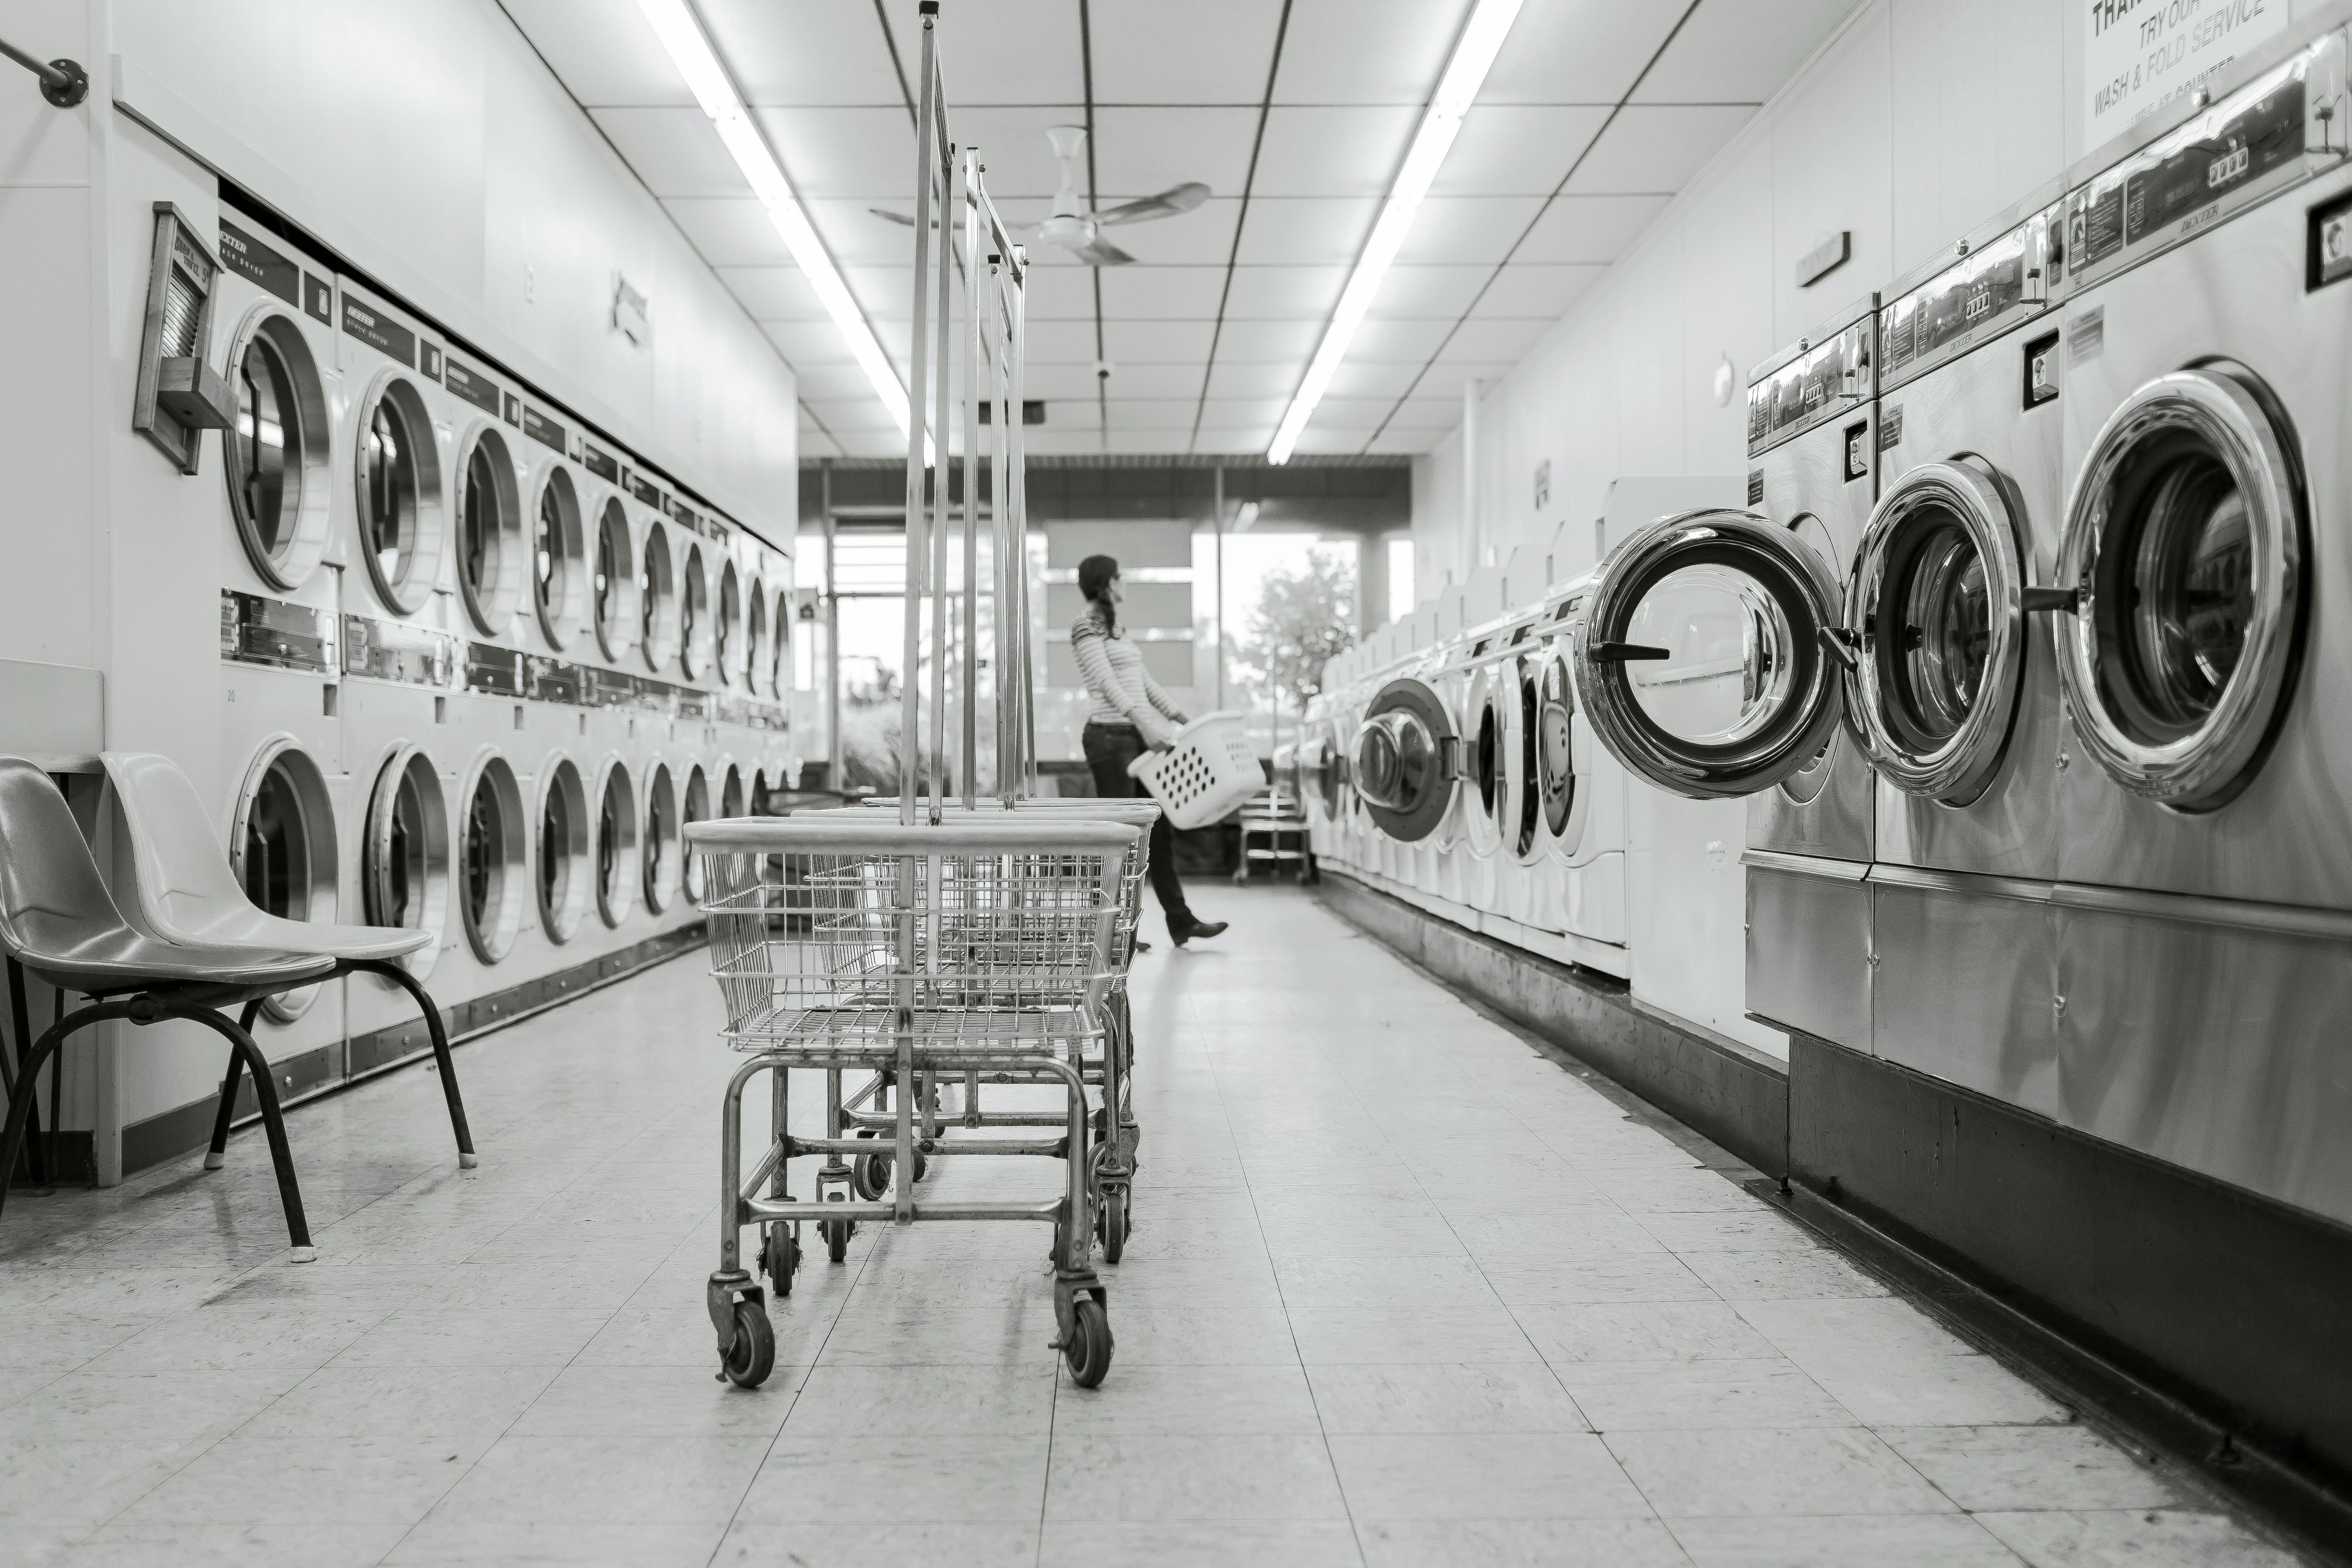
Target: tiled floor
pixel 1401 1292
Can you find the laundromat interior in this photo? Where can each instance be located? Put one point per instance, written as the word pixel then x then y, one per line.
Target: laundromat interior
pixel 1604 750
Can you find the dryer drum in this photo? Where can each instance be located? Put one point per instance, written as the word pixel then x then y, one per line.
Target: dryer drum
pixel 562 849
pixel 277 453
pixel 282 847
pixel 2185 539
pixel 559 559
pixel 492 859
pixel 399 479
pixel 729 625
pixel 617 871
pixel 756 662
pixel 694 805
pixel 405 855
pixel 1937 595
pixel 613 586
pixel 489 531
pixel 657 600
pixel 662 839
pixel 1555 737
pixel 694 617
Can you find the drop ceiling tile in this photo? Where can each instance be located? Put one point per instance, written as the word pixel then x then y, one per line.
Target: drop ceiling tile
pixel 777 294
pixel 1739 51
pixel 807 343
pixel 896 339
pixel 1324 442
pixel 856 237
pixel 1589 228
pixel 676 152
pixel 1072 414
pixel 1495 342
pixel 1202 237
pixel 1372 378
pixel 843 415
pixel 1049 442
pixel 1249 441
pixel 1517 149
pixel 1278 379
pixel 884 293
pixel 1200 52
pixel 1333 150
pixel 1656 147
pixel 1060 294
pixel 730 232
pixel 1148 150
pixel 833 383
pixel 1235 412
pixel 845 152
pixel 1283 293
pixel 803 51
pixel 1363 413
pixel 1161 293
pixel 1468 228
pixel 1429 291
pixel 1157 342
pixel 1152 413
pixel 602 51
pixel 1367 51
pixel 1259 342
pixel 1577 51
pixel 1450 369
pixel 1398 341
pixel 999 53
pixel 1061 342
pixel 1525 289
pixel 1305 230
pixel 1155 380
pixel 1406 443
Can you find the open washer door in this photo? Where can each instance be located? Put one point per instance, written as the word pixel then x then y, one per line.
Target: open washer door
pixel 1563 793
pixel 1938 594
pixel 1407 760
pixel 2185 544
pixel 1704 656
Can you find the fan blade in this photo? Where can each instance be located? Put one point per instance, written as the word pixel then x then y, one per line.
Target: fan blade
pixel 1099 252
pixel 894 218
pixel 1176 199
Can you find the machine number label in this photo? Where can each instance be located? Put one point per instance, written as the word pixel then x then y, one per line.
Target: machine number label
pixel 543 429
pixel 601 464
pixel 471 386
pixel 247 258
pixel 645 492
pixel 387 337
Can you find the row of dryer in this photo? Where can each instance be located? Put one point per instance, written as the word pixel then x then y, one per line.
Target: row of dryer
pixel 479 666
pixel 2031 653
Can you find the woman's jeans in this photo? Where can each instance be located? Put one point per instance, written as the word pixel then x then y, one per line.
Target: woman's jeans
pixel 1109 748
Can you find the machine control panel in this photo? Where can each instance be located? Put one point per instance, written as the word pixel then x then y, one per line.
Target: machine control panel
pixel 1813 383
pixel 1981 296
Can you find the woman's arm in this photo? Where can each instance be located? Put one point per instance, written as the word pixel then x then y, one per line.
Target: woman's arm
pixel 1159 699
pixel 1088 645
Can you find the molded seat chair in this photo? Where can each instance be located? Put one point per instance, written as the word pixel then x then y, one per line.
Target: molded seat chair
pixel 183 890
pixel 58 921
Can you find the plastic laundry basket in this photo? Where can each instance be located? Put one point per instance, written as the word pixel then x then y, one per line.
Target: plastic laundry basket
pixel 1207 772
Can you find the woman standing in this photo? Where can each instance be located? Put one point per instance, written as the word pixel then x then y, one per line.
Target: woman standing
pixel 1130 712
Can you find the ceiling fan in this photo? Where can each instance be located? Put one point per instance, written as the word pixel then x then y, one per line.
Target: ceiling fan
pixel 1079 231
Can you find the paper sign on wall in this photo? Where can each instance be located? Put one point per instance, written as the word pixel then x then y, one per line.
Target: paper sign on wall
pixel 2140 55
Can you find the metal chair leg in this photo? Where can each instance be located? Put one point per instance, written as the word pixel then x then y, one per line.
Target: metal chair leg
pixel 20 1103
pixel 273 1121
pixel 217 1155
pixel 36 1165
pixel 467 1158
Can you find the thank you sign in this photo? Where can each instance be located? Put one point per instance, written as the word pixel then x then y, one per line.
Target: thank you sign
pixel 2140 55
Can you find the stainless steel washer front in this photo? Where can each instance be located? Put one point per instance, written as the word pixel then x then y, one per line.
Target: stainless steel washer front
pixel 2185 541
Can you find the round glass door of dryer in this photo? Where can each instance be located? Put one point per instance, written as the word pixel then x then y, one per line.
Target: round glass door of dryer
pixel 693 806
pixel 277 453
pixel 613 582
pixel 282 848
pixel 1559 787
pixel 756 661
pixel 730 792
pixel 1488 756
pixel 694 630
pixel 1524 830
pixel 1405 760
pixel 398 472
pixel 2185 540
pixel 662 839
pixel 491 557
pixel 781 672
pixel 1938 594
pixel 618 869
pixel 562 857
pixel 657 600
pixel 404 854
pixel 492 842
pixel 728 625
pixel 559 559
pixel 1700 657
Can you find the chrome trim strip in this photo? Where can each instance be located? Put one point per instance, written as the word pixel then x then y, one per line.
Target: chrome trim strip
pixel 1806 864
pixel 2183 909
pixel 1968 884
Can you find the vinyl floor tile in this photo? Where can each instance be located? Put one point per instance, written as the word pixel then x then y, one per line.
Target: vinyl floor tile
pixel 1792 1470
pixel 1520 1543
pixel 1440 1397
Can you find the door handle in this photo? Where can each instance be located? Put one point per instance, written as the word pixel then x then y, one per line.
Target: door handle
pixel 2038 601
pixel 1626 652
pixel 1840 643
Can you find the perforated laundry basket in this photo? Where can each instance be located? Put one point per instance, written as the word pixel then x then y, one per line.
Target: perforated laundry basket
pixel 1208 770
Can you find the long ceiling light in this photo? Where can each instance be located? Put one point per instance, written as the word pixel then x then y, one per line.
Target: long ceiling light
pixel 674 23
pixel 1465 73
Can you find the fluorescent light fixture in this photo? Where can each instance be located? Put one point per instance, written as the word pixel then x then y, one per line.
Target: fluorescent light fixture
pixel 674 23
pixel 1474 55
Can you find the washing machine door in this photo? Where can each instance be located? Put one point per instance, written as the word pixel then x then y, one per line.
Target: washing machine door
pixel 1707 658
pixel 1487 760
pixel 1937 598
pixel 1523 829
pixel 1323 771
pixel 1407 760
pixel 2185 541
pixel 1560 794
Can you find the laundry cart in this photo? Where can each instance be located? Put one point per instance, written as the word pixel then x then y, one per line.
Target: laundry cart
pixel 978 945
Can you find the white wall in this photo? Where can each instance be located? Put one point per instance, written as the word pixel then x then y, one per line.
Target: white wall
pixel 1918 120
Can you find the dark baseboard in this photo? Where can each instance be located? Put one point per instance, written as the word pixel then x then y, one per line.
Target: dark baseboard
pixel 1737 1097
pixel 331 1069
pixel 2210 1318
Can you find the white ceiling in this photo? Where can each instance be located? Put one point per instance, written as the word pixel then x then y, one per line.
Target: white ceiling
pixel 1295 112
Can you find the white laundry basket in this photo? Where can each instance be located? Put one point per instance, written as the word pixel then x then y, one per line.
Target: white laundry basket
pixel 1207 772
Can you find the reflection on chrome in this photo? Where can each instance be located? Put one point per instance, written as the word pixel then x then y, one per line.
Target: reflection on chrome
pixel 1396 760
pixel 1729 668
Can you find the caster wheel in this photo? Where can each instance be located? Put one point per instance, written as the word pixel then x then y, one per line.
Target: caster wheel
pixel 780 1258
pixel 753 1357
pixel 923 1165
pixel 836 1234
pixel 1111 1222
pixel 1087 1348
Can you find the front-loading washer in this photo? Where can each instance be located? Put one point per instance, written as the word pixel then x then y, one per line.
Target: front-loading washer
pixel 1406 768
pixel 1581 839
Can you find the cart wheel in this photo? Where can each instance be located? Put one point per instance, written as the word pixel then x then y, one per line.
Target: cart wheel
pixel 923 1165
pixel 1111 1222
pixel 836 1234
pixel 780 1258
pixel 1087 1347
pixel 753 1356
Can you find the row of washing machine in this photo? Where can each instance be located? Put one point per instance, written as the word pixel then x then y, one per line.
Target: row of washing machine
pixel 478 666
pixel 2031 653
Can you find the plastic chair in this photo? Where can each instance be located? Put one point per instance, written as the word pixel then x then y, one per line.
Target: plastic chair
pixel 58 920
pixel 183 890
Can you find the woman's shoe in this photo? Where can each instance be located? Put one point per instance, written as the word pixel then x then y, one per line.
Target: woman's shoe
pixel 1200 928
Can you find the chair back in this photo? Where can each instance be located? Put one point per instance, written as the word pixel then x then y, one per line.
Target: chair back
pixel 53 902
pixel 182 887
